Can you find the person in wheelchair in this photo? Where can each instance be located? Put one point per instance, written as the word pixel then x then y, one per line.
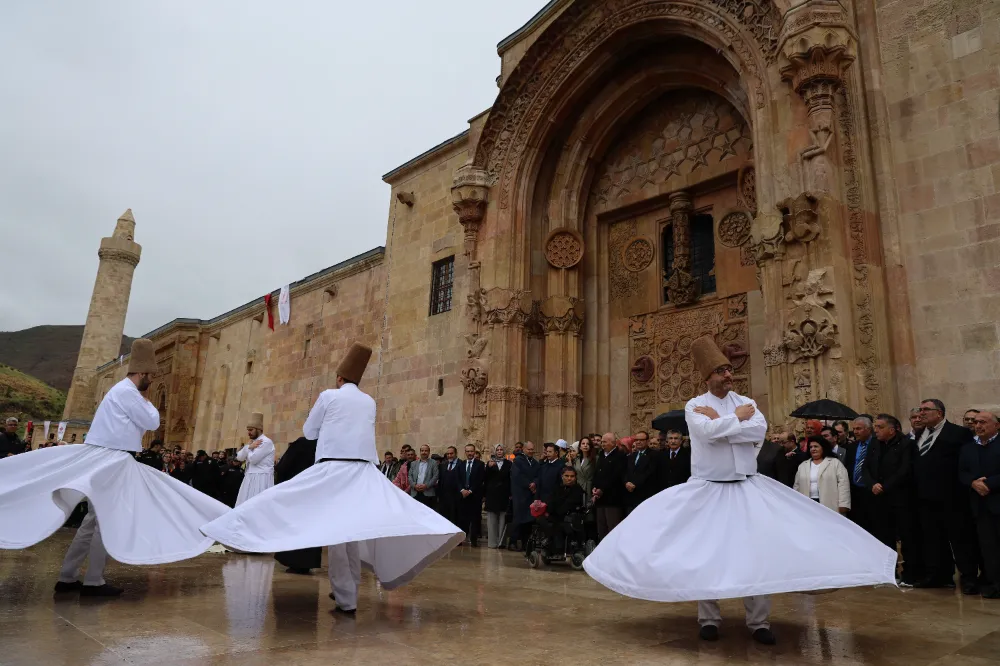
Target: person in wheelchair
pixel 567 499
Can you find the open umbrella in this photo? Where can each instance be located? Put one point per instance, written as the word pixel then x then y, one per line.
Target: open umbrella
pixel 673 420
pixel 828 410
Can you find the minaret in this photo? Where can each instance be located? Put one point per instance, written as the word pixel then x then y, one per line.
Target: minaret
pixel 102 336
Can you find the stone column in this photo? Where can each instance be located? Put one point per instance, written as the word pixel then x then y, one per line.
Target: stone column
pixel 562 320
pixel 681 286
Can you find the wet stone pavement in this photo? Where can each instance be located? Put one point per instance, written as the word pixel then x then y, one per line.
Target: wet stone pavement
pixel 476 606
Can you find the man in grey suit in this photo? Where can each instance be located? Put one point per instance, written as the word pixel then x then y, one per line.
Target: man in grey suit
pixel 830 435
pixel 424 478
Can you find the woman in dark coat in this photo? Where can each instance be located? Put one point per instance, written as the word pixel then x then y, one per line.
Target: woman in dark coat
pixel 497 496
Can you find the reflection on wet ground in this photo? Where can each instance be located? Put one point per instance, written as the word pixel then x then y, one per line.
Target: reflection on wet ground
pixel 474 607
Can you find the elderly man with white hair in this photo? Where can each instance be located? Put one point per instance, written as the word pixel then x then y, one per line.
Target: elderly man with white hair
pixel 10 443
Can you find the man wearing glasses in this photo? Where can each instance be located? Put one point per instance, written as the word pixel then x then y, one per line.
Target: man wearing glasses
pixel 979 472
pixel 946 523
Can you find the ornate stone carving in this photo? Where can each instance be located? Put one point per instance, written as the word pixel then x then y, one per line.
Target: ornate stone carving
pixel 746 189
pixel 682 288
pixel 514 394
pixel 768 241
pixel 561 314
pixel 114 254
pixel 564 248
pixel 637 254
pixel 623 283
pixel 737 306
pixel 735 227
pixel 476 345
pixel 683 132
pixel 475 377
pixel 802 381
pixel 562 399
pixel 643 369
pixel 583 28
pixel 469 194
pixel 637 326
pixel 810 327
pixel 802 222
pixel 535 401
pixel 774 355
pixel 505 307
pixel 817 53
pixel 476 305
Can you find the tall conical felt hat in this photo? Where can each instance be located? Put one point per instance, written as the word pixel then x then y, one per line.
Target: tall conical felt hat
pixel 142 359
pixel 353 366
pixel 707 356
pixel 256 421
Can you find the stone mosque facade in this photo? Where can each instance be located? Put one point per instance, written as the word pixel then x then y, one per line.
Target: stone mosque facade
pixel 816 183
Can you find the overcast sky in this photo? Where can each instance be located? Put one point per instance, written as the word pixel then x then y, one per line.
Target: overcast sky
pixel 249 138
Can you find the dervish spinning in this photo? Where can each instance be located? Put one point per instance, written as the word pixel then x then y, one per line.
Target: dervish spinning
pixel 345 503
pixel 730 532
pixel 137 514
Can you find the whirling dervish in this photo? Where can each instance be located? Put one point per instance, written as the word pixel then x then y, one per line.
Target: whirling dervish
pixel 345 503
pixel 137 514
pixel 730 532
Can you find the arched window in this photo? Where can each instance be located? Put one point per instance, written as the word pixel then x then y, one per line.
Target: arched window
pixel 702 253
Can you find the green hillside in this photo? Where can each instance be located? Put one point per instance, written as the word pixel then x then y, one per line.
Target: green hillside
pixel 27 398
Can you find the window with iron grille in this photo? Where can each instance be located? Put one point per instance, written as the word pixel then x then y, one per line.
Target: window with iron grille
pixel 442 281
pixel 702 253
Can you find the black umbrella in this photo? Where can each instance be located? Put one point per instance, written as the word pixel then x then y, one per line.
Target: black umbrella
pixel 671 421
pixel 828 410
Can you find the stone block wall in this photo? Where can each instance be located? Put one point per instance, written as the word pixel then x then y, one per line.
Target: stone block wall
pixel 941 65
pixel 419 350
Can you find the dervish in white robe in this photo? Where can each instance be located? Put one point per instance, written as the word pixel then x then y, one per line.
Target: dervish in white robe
pixel 343 502
pixel 137 514
pixel 258 454
pixel 730 532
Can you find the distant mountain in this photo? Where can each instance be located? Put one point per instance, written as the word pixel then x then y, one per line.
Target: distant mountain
pixel 47 353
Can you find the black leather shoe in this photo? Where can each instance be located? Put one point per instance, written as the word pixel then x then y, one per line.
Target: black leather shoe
pixel 991 593
pixel 100 591
pixel 970 589
pixel 764 637
pixel 300 572
pixel 709 632
pixel 68 587
pixel 931 584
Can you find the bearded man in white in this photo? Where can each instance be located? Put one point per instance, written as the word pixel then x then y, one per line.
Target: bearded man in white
pixel 730 532
pixel 136 514
pixel 258 454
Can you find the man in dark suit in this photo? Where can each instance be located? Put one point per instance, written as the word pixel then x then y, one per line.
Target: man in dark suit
pixel 675 461
pixel 609 485
pixel 299 457
pixel 472 477
pixel 448 485
pixel 641 473
pixel 979 471
pixel 549 472
pixel 888 473
pixel 857 453
pixel 946 523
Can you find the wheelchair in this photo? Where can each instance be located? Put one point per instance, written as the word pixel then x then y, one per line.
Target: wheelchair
pixel 576 544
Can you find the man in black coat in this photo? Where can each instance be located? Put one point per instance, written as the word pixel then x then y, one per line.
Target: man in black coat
pixel 299 457
pixel 523 484
pixel 472 477
pixel 205 475
pixel 449 483
pixel 232 478
pixel 566 498
pixel 10 443
pixel 947 526
pixel 858 449
pixel 979 471
pixel 497 496
pixel 549 472
pixel 675 461
pixel 152 456
pixel 641 473
pixel 888 473
pixel 609 485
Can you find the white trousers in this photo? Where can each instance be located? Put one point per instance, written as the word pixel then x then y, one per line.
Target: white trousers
pixel 344 565
pixel 86 542
pixel 495 522
pixel 758 611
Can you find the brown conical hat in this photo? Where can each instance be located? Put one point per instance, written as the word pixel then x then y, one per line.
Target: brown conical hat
pixel 256 421
pixel 142 359
pixel 707 356
pixel 353 366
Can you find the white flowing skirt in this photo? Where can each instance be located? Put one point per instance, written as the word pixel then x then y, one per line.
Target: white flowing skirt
pixel 341 502
pixel 146 517
pixel 701 540
pixel 253 485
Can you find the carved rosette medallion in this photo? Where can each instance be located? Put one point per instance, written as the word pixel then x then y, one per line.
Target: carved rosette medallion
pixel 637 254
pixel 564 248
pixel 734 228
pixel 643 369
pixel 475 377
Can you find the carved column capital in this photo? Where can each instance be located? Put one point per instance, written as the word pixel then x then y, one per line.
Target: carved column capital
pixel 681 285
pixel 816 44
pixel 504 307
pixel 469 196
pixel 561 315
pixel 680 202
